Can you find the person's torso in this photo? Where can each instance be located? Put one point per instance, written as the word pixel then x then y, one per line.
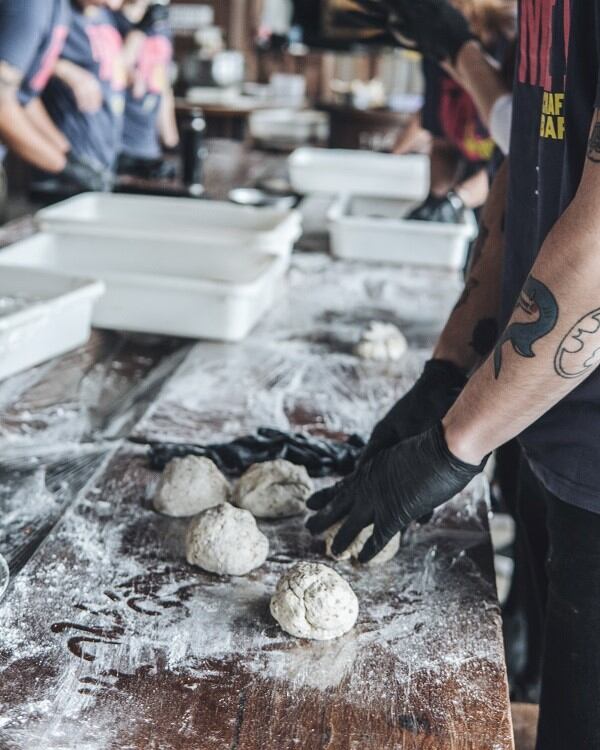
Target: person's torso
pixel 51 44
pixel 556 80
pixel 145 94
pixel 95 45
pixel 449 113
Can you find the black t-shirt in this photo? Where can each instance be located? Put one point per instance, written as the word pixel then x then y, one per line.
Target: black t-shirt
pixel 556 91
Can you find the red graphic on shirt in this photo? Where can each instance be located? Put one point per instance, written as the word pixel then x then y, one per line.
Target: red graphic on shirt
pixel 57 43
pixel 538 18
pixel 107 45
pixel 460 123
pixel 151 70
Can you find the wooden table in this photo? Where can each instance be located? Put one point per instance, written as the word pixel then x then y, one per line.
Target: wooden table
pixel 109 640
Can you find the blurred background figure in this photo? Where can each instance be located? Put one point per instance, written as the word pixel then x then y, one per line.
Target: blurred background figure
pixel 460 146
pixel 32 36
pixel 85 98
pixel 149 121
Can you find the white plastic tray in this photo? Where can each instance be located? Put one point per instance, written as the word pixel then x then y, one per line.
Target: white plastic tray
pixel 340 171
pixel 372 229
pixel 168 288
pixel 54 317
pixel 218 223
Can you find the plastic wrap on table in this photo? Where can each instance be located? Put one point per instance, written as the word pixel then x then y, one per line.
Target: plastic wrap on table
pixel 4 576
pixel 297 372
pixel 320 457
pixel 98 391
pixel 36 491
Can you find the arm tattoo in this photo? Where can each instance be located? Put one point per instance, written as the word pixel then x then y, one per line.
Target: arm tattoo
pixel 579 351
pixel 538 302
pixel 593 152
pixel 466 293
pixel 485 335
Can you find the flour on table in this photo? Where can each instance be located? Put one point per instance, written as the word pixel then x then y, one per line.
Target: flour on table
pixel 312 601
pixel 382 341
pixel 353 551
pixel 190 485
pixel 226 540
pixel 274 489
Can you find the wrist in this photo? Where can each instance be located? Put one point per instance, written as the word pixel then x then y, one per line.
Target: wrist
pixel 463 441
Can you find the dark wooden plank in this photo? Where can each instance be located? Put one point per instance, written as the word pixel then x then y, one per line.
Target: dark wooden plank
pixel 124 645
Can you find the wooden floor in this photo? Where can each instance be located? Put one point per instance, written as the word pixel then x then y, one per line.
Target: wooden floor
pixel 109 640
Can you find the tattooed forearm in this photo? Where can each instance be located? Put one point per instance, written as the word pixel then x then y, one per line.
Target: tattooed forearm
pixel 538 304
pixel 593 152
pixel 579 351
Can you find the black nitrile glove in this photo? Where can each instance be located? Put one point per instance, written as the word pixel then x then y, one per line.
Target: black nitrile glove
pixel 428 401
pixel 87 176
pixel 434 27
pixel 448 210
pixel 397 486
pixel 155 16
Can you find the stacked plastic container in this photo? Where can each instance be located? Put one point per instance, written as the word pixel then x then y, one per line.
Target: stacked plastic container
pixel 199 269
pixel 373 192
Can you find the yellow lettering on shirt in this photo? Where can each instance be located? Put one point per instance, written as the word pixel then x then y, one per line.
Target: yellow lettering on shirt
pixel 552 120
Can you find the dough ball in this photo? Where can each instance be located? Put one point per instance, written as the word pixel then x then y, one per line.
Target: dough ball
pixel 354 550
pixel 382 341
pixel 312 601
pixel 226 540
pixel 274 489
pixel 190 485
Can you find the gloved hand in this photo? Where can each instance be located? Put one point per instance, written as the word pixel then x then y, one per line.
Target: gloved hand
pixel 156 15
pixel 434 27
pixel 428 401
pixel 397 486
pixel 448 210
pixel 87 176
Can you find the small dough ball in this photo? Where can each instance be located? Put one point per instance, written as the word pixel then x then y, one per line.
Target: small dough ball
pixel 313 601
pixel 354 550
pixel 382 341
pixel 274 489
pixel 226 540
pixel 190 485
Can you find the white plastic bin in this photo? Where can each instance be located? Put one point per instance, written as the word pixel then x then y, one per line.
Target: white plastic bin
pixel 54 316
pixel 372 229
pixel 202 222
pixel 165 288
pixel 338 171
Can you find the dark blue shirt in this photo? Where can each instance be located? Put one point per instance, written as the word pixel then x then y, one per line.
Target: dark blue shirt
pixel 32 36
pixel 94 44
pixel 556 91
pixel 141 138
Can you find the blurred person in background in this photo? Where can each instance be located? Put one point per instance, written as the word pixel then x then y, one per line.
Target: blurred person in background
pixel 460 146
pixel 85 97
pixel 32 36
pixel 149 121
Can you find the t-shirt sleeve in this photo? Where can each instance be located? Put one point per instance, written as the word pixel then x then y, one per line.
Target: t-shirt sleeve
pixel 22 27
